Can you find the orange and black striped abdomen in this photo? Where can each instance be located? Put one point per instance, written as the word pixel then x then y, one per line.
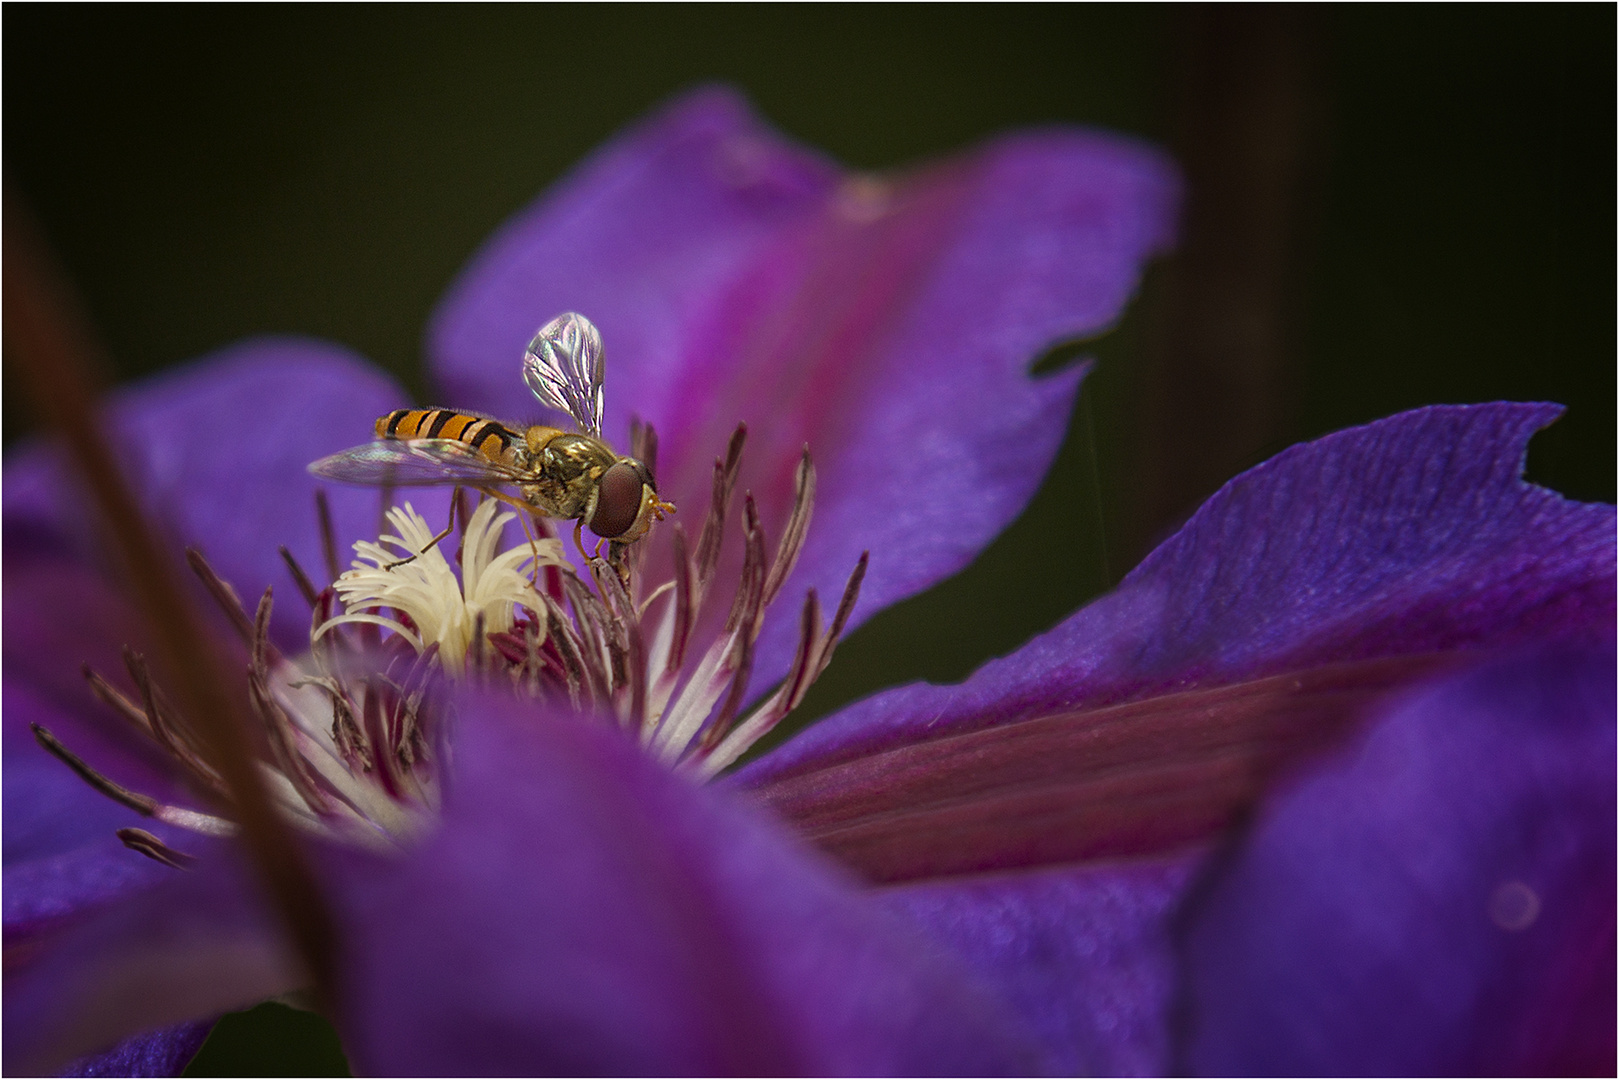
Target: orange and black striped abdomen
pixel 490 438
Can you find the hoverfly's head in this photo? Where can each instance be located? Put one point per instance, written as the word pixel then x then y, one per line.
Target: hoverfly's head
pixel 626 502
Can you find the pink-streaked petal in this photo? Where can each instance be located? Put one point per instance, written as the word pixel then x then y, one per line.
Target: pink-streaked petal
pixel 1121 781
pixel 887 322
pixel 194 946
pixel 1083 953
pixel 217 451
pixel 1439 901
pixel 1412 536
pixel 584 911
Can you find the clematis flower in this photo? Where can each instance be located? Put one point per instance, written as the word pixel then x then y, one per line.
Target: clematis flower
pixel 1329 775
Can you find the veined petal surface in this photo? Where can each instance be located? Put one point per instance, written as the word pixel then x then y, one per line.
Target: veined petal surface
pixel 1414 536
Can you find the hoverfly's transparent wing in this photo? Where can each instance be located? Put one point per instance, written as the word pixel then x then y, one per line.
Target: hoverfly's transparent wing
pixel 414 463
pixel 563 366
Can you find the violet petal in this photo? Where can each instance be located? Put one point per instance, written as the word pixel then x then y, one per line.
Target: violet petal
pixel 582 910
pixel 1409 536
pixel 60 851
pixel 164 1052
pixel 196 945
pixel 1439 901
pixel 59 617
pixel 888 322
pixel 217 452
pixel 1083 953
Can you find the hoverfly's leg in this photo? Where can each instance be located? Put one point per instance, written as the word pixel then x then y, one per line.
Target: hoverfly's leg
pixel 533 547
pixel 385 503
pixel 579 539
pixel 509 500
pixel 455 502
pixel 588 554
pixel 617 558
pixel 528 510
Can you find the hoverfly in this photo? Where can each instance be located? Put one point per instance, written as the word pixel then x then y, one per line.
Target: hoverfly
pixel 557 473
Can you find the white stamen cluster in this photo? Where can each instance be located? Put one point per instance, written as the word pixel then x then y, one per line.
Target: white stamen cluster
pixel 416 580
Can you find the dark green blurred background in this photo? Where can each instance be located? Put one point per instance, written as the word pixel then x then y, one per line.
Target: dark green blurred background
pixel 1389 207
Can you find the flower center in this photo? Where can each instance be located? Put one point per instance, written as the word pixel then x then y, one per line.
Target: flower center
pixel 354 727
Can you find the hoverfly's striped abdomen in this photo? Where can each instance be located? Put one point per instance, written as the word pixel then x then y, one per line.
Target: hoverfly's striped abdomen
pixel 490 438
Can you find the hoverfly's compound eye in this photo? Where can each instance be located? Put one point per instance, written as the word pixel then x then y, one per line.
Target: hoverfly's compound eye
pixel 618 501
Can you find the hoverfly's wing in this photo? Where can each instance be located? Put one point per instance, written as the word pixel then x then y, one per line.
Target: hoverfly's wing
pixel 415 463
pixel 563 366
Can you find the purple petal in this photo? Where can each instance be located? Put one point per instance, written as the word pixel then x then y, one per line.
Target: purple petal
pixel 59 618
pixel 1412 536
pixel 217 451
pixel 60 851
pixel 60 615
pixel 155 1053
pixel 1440 901
pixel 1083 954
pixel 583 910
pixel 61 854
pixel 199 944
pixel 889 323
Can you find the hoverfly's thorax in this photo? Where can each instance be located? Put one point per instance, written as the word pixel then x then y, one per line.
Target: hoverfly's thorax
pixel 576 455
pixel 538 436
pixel 567 468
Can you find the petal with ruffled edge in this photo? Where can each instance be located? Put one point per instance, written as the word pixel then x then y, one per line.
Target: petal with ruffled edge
pixel 583 910
pixel 1291 601
pixel 1439 901
pixel 218 452
pixel 887 322
pixel 1297 599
